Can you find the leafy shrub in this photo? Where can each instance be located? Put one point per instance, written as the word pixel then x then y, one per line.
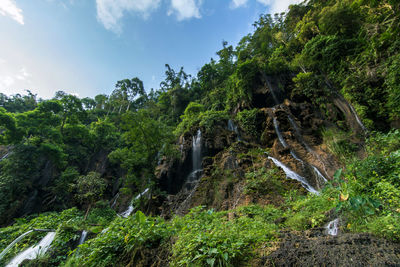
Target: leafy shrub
pixel 208 238
pixel 44 221
pixel 248 121
pixel 122 237
pixel 263 181
pixel 210 118
pixel 384 143
pixel 196 116
pixel 309 211
pixel 338 143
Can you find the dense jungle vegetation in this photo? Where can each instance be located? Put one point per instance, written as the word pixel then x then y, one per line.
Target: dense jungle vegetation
pixel 65 158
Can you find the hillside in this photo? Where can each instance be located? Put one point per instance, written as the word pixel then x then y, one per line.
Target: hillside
pixel 285 150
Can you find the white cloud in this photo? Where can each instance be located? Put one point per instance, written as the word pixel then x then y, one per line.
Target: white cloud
pixel 110 12
pixel 185 9
pixel 278 6
pixel 10 77
pixel 238 3
pixel 275 6
pixel 9 8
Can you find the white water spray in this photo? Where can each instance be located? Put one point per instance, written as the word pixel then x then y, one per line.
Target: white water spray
pixel 196 151
pixel 232 127
pixel 34 251
pixel 279 134
pixel 83 237
pixel 115 200
pixel 131 208
pixel 332 228
pixel 292 175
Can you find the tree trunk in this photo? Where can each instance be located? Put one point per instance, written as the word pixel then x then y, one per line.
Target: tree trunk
pixel 87 212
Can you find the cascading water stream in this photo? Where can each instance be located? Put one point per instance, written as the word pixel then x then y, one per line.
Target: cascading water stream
pixel 192 179
pixel 34 251
pixel 357 118
pixel 332 228
pixel 83 237
pixel 283 142
pixel 196 151
pixel 232 127
pixel 317 173
pixel 115 200
pixel 181 145
pixel 131 208
pixel 292 175
pixel 271 89
pixel 309 149
pixel 4 252
pixel 5 156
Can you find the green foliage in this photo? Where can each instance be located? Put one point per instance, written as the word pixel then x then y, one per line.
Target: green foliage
pixel 44 221
pixel 190 117
pixel 384 143
pixel 208 238
pixel 248 121
pixel 122 237
pixel 338 143
pixel 309 211
pixel 196 116
pixel 310 86
pixel 263 181
pixel 242 83
pixel 210 118
pixel 90 188
pixel 341 19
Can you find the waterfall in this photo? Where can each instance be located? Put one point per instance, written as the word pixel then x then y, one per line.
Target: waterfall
pixel 181 145
pixel 115 200
pixel 34 251
pixel 14 242
pixel 232 127
pixel 271 89
pixel 130 209
pixel 194 176
pixel 292 175
pixel 192 180
pixel 309 149
pixel 332 228
pixel 357 118
pixel 83 237
pixel 196 151
pixel 283 142
pixel 4 252
pixel 279 134
pixel 5 156
pixel 318 174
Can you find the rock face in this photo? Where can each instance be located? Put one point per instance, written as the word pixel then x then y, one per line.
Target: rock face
pixel 312 248
pixel 287 131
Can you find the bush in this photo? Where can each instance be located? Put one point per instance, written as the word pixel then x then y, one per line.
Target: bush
pixel 248 121
pixel 208 238
pixel 121 238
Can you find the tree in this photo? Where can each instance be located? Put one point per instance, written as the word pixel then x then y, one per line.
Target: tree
pixel 90 189
pixel 72 110
pixel 130 90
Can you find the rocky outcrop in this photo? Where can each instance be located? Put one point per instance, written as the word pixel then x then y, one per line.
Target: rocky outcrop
pixel 313 248
pixel 287 131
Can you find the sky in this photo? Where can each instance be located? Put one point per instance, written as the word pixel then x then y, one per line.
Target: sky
pixel 84 47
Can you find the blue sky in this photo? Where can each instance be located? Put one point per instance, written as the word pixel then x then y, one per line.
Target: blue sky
pixel 85 46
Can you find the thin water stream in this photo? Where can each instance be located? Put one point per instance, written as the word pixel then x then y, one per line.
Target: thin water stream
pixel 34 251
pixel 293 175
